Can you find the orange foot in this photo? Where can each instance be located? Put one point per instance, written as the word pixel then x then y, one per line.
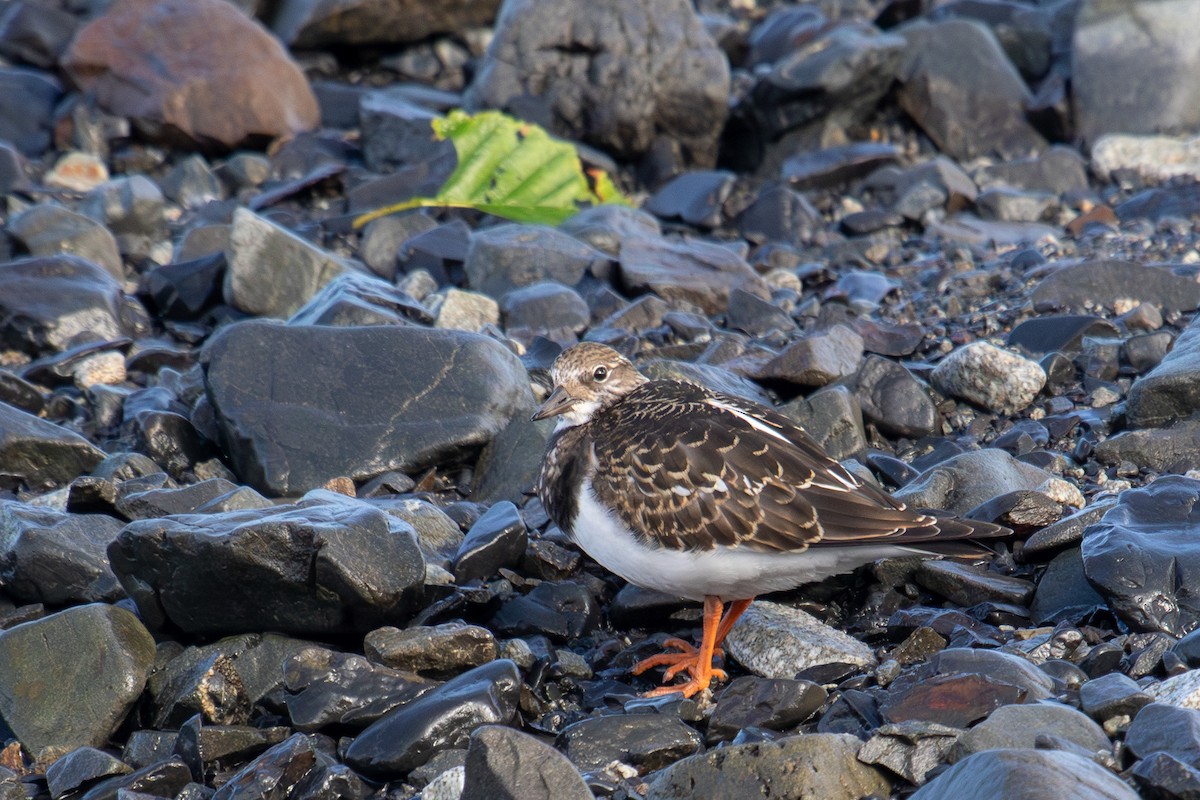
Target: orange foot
pixel 697 662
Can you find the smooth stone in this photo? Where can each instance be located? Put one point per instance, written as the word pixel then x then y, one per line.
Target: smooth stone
pixel 1163 450
pixel 445 717
pixel 562 610
pixel 795 767
pixel 80 766
pixel 497 539
pixel 274 772
pixel 161 779
pixel 893 400
pixel 1026 775
pixel 773 704
pixel 512 256
pixel 696 198
pixel 776 641
pixel 51 557
pixel 1064 593
pixel 237 571
pixel 817 359
pixel 966 586
pixel 204 747
pixel 47 229
pixel 1111 284
pixel 1019 726
pixel 1112 695
pixel 1063 333
pixel 962 482
pixel 438 648
pixel 506 763
pixel 1168 392
pixel 353 299
pixel 699 273
pixel 647 741
pixel 1159 727
pixel 69 679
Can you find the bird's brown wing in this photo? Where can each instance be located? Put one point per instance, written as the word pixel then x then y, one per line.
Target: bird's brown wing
pixel 691 469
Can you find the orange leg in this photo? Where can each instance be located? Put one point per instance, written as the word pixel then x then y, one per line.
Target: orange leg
pixel 697 662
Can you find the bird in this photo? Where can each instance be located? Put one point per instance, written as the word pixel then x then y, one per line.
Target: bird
pixel 711 497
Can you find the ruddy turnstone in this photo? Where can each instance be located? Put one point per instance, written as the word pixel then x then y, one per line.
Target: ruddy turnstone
pixel 710 497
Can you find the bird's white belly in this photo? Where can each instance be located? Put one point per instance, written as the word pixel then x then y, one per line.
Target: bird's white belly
pixel 728 572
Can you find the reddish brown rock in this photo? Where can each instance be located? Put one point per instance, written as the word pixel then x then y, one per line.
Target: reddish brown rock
pixel 200 68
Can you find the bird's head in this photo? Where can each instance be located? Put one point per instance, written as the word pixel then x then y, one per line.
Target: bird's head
pixel 587 378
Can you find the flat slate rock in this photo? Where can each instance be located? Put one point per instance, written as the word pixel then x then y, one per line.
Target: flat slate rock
pixel 1171 391
pixel 355 402
pixel 1080 287
pixel 1026 775
pixel 37 452
pixel 506 763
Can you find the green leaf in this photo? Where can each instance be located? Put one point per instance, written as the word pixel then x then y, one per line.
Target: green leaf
pixel 511 169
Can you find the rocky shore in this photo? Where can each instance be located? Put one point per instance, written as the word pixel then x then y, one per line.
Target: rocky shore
pixel 266 527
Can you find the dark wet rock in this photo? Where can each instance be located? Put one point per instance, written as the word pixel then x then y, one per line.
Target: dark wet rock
pixel 497 539
pixel 184 500
pixel 510 256
pixel 396 131
pixel 80 767
pixel 966 586
pixel 776 641
pixel 966 116
pixel 1066 532
pixel 1103 68
pixel 814 765
pixel 1019 726
pixel 1112 695
pixel 697 198
pixel 148 746
pixel 837 166
pixel 445 717
pixel 273 272
pixel 186 289
pixel 326 688
pixel 438 535
pixel 648 741
pixel 38 453
pixel 509 464
pixel 616 76
pixel 27 101
pixel 1168 202
pixel 47 556
pixel 1168 392
pixel 996 379
pixel 51 303
pixel 47 229
pixel 955 700
pixel 910 749
pixel 1109 283
pixel 96 658
pixel 1064 591
pixel 893 400
pixel 754 316
pixel 817 359
pixel 1001 667
pixel 1172 449
pixel 965 481
pixel 18 392
pixel 321 568
pixel 1058 170
pixel 372 22
pixel 171 440
pixel 776 705
pixel 205 748
pixel 162 779
pixel 1137 556
pixel 389 414
pixel 194 683
pixel 274 773
pixel 933 184
pixel 1059 333
pixel 1162 775
pixel 833 417
pixel 780 31
pixel 1024 774
pixel 561 610
pixel 1146 351
pixel 204 70
pixel 437 648
pixel 1159 727
pixel 502 762
pixel 696 272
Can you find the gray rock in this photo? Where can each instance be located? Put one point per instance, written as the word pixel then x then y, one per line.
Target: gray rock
pixel 1063 593
pixel 1172 449
pixel 605 227
pixel 962 90
pixel 893 400
pixel 1115 284
pixel 1169 391
pixel 192 184
pixel 1139 556
pixel 27 101
pixel 356 402
pixel 323 687
pixel 1026 775
pixel 1117 52
pixel 1019 726
pixel 695 272
pixel 274 772
pixel 437 648
pixel 510 463
pixel 776 641
pixel 545 309
pixel 51 303
pixel 1164 775
pixel 353 299
pixel 996 379
pixel 47 229
pixel 967 586
pixel 51 557
pixel 648 741
pixel 775 705
pixel 1159 727
pixel 272 271
pixel 132 208
pixel 1152 158
pixel 960 483
pixel 68 680
pixel 833 417
pixel 814 765
pixel 396 132
pixel 317 567
pixel 818 358
pixel 910 749
pixel 39 453
pixel 191 685
pixel 508 257
pixel 304 25
pixel 82 765
pixel 1014 205
pixel 505 764
pixel 1056 171
pixel 1112 695
pixel 615 74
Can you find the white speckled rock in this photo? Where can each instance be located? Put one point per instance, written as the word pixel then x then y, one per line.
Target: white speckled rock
pixel 991 377
pixel 775 641
pixel 447 786
pixel 1179 690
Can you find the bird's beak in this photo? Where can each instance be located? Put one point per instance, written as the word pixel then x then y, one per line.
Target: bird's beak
pixel 557 403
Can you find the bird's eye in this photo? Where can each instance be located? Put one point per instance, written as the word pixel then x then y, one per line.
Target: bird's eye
pixel 600 375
